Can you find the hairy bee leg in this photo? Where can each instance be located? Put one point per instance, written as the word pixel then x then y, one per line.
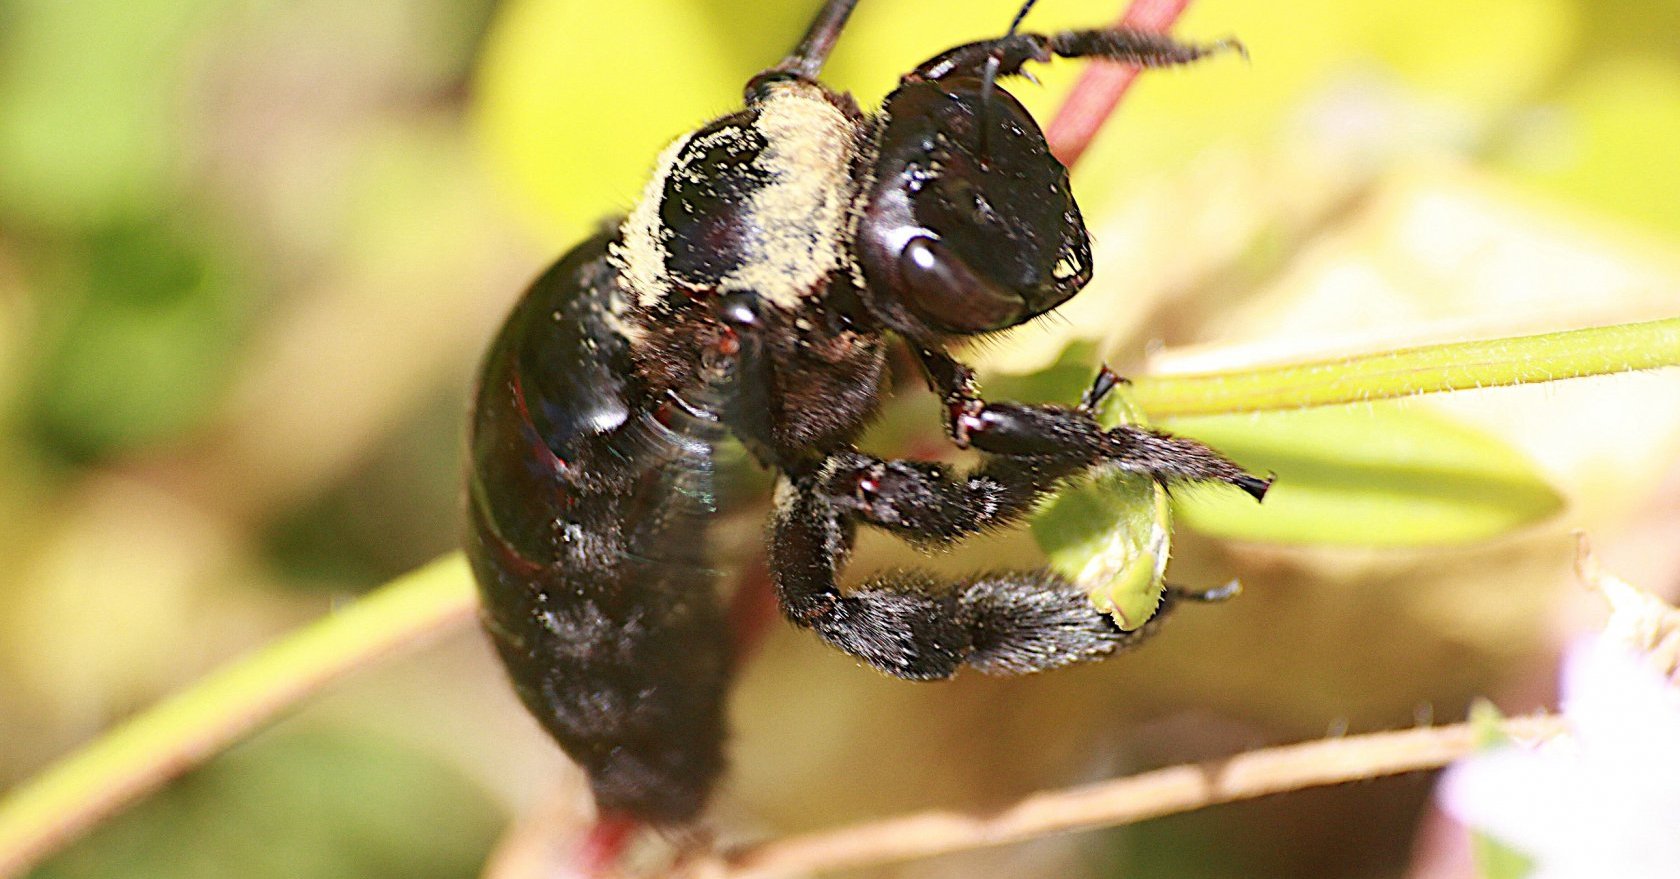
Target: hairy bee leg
pixel 1039 430
pixel 926 502
pixel 1022 429
pixel 1004 623
pixel 1015 51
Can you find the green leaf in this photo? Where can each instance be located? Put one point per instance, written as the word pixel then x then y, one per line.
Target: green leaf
pixel 1496 860
pixel 1377 475
pixel 1113 534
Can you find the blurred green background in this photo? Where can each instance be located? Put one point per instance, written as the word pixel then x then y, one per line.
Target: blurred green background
pixel 251 249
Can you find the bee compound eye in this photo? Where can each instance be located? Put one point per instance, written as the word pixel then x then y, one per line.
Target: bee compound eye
pixel 942 288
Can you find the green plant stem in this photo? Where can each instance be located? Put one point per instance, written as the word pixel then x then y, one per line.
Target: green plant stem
pixel 1455 366
pixel 168 739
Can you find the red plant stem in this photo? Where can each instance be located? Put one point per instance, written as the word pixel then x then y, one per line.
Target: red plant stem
pixel 1102 85
pixel 603 846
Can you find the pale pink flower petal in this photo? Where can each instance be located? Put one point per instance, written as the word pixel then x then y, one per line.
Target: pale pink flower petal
pixel 1603 801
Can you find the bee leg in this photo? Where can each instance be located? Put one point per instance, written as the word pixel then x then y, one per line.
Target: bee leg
pixel 1006 623
pixel 1061 432
pixel 1012 53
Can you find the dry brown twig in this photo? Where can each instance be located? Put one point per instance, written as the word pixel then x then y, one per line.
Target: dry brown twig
pixel 1113 803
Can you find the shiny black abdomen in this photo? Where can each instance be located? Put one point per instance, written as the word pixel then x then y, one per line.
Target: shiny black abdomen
pixel 590 507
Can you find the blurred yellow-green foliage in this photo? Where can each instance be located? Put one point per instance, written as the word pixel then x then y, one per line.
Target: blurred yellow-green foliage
pixel 250 249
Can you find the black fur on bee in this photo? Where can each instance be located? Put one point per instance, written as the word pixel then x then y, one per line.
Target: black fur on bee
pixel 738 320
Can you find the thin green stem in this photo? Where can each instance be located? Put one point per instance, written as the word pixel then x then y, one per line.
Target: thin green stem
pixel 1455 366
pixel 170 738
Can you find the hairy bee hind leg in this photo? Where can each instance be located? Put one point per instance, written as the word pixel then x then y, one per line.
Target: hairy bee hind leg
pixel 902 623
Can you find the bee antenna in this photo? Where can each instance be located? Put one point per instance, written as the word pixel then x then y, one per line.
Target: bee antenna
pixel 807 58
pixel 989 79
pixel 1020 16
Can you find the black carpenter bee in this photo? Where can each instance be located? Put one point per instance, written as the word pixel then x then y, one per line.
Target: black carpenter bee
pixel 737 321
